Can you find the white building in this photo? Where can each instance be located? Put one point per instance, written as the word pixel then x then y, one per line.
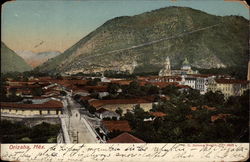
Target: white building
pixel 188 80
pixel 202 83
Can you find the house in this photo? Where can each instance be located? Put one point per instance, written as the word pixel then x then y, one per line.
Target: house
pixel 219 116
pixel 158 114
pixel 103 114
pixel 122 82
pixel 229 87
pixel 51 107
pixel 145 103
pixel 154 115
pixel 161 79
pixel 116 125
pixel 125 138
pixel 81 92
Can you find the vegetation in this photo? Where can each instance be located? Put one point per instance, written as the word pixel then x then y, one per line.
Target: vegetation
pixel 119 74
pixel 11 62
pixel 19 133
pixel 132 90
pixel 185 125
pixel 239 72
pixel 93 82
pixel 204 48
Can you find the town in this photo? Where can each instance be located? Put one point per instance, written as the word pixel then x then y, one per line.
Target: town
pixel 177 105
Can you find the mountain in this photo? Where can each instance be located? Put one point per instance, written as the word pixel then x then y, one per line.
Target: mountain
pixel 141 43
pixel 11 62
pixel 35 59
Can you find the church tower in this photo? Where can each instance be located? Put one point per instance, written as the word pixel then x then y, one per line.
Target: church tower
pixel 167 64
pixel 166 71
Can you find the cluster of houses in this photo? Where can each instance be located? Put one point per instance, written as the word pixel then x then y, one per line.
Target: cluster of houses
pixel 39 97
pixel 52 91
pixel 204 83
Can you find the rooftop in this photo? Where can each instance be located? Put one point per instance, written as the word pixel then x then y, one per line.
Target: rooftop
pixel 219 116
pixel 121 125
pixel 99 103
pixel 231 81
pixel 125 138
pixel 48 104
pixel 158 114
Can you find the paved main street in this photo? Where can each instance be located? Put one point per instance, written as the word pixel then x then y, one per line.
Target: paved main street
pixel 78 127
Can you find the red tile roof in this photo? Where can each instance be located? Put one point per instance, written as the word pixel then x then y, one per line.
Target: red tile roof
pixel 122 82
pixel 99 103
pixel 23 86
pixel 80 90
pixel 85 98
pixel 96 88
pixel 125 138
pixel 48 104
pixel 219 116
pixel 158 114
pixel 193 108
pixel 209 108
pixel 231 81
pixel 201 75
pixel 121 125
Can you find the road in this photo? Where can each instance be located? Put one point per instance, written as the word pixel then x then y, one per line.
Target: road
pixel 79 129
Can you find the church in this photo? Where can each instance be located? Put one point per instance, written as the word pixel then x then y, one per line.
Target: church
pixel 185 69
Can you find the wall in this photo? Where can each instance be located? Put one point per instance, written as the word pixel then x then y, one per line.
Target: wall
pixel 124 107
pixel 28 112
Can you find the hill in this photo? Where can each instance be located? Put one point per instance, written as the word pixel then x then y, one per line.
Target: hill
pixel 11 62
pixel 141 43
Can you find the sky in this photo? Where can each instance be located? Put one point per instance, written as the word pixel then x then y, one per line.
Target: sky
pixel 56 25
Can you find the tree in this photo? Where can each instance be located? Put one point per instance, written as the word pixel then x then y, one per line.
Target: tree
pixel 139 113
pixel 93 82
pixel 214 98
pixel 113 88
pixel 171 90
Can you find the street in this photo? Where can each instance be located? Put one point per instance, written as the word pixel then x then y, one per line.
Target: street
pixel 79 129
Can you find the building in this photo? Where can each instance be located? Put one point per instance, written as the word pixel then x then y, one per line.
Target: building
pixel 229 87
pixel 125 104
pixel 51 107
pixel 115 125
pixel 201 83
pixel 185 69
pixel 125 138
pixel 103 114
pixel 166 71
pixel 160 79
pixel 189 81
